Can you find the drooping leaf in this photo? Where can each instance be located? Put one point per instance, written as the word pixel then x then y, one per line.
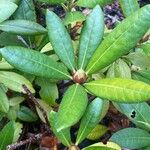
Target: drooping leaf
pixel 120 90
pixel 123 38
pixel 15 81
pixel 33 62
pixel 26 114
pixel 7 8
pixel 101 146
pixel 119 69
pixel 137 113
pixel 22 27
pixel 73 17
pixel 6 135
pixel 4 103
pixel 26 11
pixel 72 107
pixel 129 6
pixel 97 132
pixel 92 4
pixel 91 36
pixel 60 39
pixel 49 90
pixel 63 135
pixel 131 138
pixel 90 119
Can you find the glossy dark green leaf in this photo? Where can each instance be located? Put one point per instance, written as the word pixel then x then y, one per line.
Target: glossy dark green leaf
pixel 131 138
pixel 26 114
pixel 73 17
pixel 72 107
pixel 102 146
pixel 22 27
pixel 91 36
pixel 49 91
pixel 115 45
pixel 92 4
pixel 26 11
pixel 63 135
pixel 137 113
pixel 7 8
pixel 119 69
pixel 6 135
pixel 97 132
pixel 90 119
pixel 120 90
pixel 60 39
pixel 15 81
pixel 4 103
pixel 33 62
pixel 129 6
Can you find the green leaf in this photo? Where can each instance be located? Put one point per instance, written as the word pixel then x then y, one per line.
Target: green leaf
pixel 114 46
pixel 147 148
pixel 6 135
pixel 26 11
pixel 4 103
pixel 73 17
pixel 63 135
pixel 137 113
pixel 25 114
pixel 129 6
pixel 22 27
pixel 145 73
pixel 5 65
pixel 90 119
pixel 16 100
pixel 60 39
pixel 33 62
pixel 72 107
pixel 131 138
pixel 146 48
pixel 120 90
pixel 91 36
pixel 92 4
pixel 49 91
pixel 15 81
pixel 53 1
pixel 97 132
pixel 101 146
pixel 7 8
pixel 119 69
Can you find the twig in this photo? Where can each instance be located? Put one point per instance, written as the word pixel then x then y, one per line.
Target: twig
pixel 35 101
pixel 33 139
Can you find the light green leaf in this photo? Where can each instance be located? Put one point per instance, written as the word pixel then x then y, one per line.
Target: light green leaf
pixel 146 48
pixel 119 69
pixel 33 62
pixel 15 81
pixel 93 3
pixel 129 6
pixel 27 115
pixel 63 135
pixel 72 107
pixel 26 11
pixel 97 132
pixel 16 100
pixel 119 42
pixel 49 91
pixel 7 8
pixel 101 146
pixel 22 27
pixel 5 65
pixel 6 135
pixel 91 36
pixel 131 138
pixel 120 90
pixel 90 119
pixel 4 103
pixel 73 17
pixel 137 113
pixel 60 39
